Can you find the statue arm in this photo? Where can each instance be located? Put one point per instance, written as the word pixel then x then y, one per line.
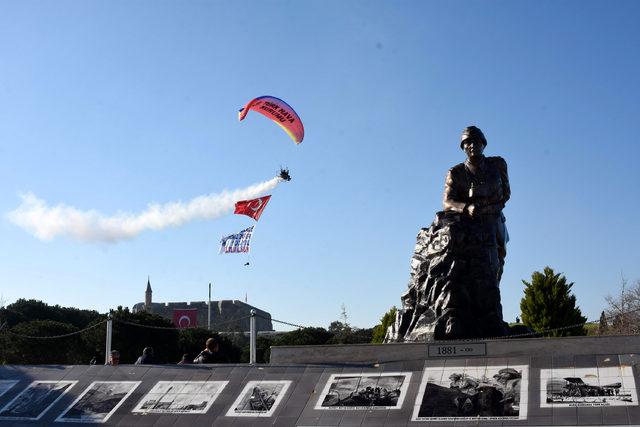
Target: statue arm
pixel 504 177
pixel 452 201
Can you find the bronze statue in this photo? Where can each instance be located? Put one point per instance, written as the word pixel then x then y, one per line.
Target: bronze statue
pixel 457 264
pixel 479 187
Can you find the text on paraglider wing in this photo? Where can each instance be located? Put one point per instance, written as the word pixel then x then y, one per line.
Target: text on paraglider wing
pixel 279 113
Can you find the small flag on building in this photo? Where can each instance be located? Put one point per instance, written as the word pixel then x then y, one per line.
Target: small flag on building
pixel 237 242
pixel 253 207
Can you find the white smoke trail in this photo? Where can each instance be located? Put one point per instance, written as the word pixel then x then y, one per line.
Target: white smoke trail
pixel 47 222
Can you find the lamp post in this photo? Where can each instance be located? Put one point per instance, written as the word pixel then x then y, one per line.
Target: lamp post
pixel 107 350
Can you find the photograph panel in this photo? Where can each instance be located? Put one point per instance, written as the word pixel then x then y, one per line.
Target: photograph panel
pixel 180 397
pixel 35 400
pixel 98 402
pixel 478 393
pixel 259 399
pixel 5 385
pixel 370 391
pixel 584 387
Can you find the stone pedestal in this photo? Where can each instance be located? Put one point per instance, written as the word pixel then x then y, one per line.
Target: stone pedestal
pixel 453 289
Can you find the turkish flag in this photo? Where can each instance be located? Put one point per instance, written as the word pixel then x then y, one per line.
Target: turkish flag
pixel 253 207
pixel 185 317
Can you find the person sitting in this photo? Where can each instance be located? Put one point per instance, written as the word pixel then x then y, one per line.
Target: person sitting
pixel 94 359
pixel 210 354
pixel 146 358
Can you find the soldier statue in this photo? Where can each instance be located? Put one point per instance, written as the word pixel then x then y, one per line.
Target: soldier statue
pixel 458 261
pixel 479 187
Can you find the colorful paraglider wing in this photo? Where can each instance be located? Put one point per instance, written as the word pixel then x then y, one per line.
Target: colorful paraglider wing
pixel 278 111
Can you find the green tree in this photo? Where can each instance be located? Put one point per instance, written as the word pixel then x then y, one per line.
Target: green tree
pixel 263 350
pixel 131 333
pixel 24 310
pixel 337 327
pixel 548 304
pixel 352 336
pixel 343 333
pixel 591 329
pixel 17 348
pixel 38 319
pixel 305 336
pixel 603 326
pixel 380 330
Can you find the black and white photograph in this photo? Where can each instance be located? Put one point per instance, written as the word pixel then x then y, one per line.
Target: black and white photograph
pixel 5 385
pixel 98 402
pixel 364 391
pixel 473 393
pixel 259 399
pixel 180 397
pixel 598 386
pixel 35 400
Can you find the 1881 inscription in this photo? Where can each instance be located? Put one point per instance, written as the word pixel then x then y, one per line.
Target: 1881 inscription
pixel 457 350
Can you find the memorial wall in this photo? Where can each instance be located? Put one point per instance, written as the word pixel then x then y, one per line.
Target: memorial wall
pixel 549 387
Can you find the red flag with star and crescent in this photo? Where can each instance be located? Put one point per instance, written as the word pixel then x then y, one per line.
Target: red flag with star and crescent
pixel 253 207
pixel 185 317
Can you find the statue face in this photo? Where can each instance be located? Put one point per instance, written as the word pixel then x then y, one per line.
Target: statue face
pixel 473 147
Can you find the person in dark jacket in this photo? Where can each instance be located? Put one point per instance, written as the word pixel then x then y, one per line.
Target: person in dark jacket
pixel 146 358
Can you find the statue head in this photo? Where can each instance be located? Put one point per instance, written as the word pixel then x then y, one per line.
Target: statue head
pixel 472 141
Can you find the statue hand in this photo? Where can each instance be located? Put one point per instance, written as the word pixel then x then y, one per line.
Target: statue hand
pixel 472 209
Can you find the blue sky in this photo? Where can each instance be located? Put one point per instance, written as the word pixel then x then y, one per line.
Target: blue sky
pixel 115 105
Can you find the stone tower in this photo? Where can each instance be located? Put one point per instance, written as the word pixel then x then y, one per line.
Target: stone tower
pixel 147 297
